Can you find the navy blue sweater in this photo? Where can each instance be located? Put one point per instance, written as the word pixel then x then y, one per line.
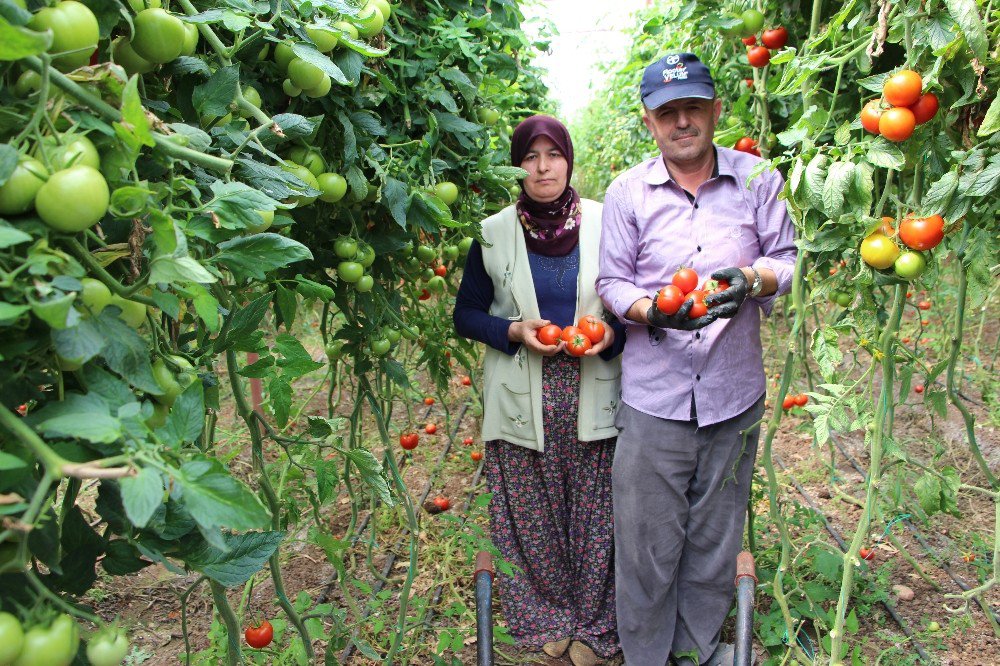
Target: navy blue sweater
pixel 555 281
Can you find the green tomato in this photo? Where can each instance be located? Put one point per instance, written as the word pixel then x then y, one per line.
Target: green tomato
pixel 27 84
pixel 306 176
pixel 73 199
pixel 290 89
pixel 334 187
pixel 411 332
pixel 190 39
pixel 321 90
pixel 335 349
pixel 309 158
pixel 436 285
pixel 324 38
pixel 488 117
pixel 447 192
pixel 379 346
pixel 370 20
pixel 95 296
pixel 11 637
pixel 350 271
pixel 465 245
pixel 365 284
pixel 933 626
pixel 425 254
pixel 167 382
pixel 267 219
pixel 74 33
pixel 304 74
pixel 345 248
pixel 138 5
pixel 159 36
pixel 426 274
pixel 283 54
pixel 349 28
pixel 123 54
pixel 74 149
pixel 252 97
pixel 384 7
pixel 55 645
pixel 910 265
pixel 18 194
pixel 133 313
pixel 450 252
pixel 753 21
pixel 209 121
pixel 844 299
pixel 365 255
pixel 391 334
pixel 108 649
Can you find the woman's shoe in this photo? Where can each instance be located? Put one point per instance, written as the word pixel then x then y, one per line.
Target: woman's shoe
pixel 556 648
pixel 581 655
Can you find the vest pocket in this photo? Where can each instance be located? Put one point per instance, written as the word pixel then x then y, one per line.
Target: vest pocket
pixel 607 399
pixel 516 413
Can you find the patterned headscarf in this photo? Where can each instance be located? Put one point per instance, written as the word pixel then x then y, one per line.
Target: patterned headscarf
pixel 551 229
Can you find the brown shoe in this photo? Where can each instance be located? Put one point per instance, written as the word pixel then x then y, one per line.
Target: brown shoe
pixel 581 655
pixel 556 648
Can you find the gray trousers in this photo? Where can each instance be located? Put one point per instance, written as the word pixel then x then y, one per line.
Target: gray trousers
pixel 680 497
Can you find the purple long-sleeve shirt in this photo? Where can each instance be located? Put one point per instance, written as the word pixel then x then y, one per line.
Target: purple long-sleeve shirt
pixel 651 227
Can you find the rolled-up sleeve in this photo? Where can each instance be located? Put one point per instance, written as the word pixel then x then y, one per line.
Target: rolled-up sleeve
pixel 776 236
pixel 619 243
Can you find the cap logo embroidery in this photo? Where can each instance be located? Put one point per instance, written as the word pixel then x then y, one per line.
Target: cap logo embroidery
pixel 678 72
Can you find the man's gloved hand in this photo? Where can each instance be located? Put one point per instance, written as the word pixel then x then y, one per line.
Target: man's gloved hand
pixel 725 304
pixel 679 320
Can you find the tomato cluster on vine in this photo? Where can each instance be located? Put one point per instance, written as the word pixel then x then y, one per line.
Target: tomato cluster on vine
pixel 902 108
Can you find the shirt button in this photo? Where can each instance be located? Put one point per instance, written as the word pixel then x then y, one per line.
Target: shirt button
pixel 698 377
pixel 698 335
pixel 696 205
pixel 699 248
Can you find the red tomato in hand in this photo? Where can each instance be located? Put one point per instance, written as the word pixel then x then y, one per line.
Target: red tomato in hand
pixel 699 309
pixel 788 402
pixel 922 233
pixel 259 636
pixel 774 38
pixel 549 335
pixel 669 299
pixel 685 279
pixel 568 333
pixel 430 428
pixel 578 344
pixel 592 327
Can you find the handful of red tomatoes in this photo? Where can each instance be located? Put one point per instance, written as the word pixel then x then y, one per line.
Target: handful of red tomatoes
pixel 684 287
pixel 588 332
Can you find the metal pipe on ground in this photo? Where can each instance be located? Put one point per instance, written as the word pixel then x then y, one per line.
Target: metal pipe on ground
pixel 484 608
pixel 746 584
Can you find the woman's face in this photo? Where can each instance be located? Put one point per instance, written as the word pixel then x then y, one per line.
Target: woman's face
pixel 547 168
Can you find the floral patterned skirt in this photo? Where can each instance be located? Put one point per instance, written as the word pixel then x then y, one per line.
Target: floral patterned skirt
pixel 551 517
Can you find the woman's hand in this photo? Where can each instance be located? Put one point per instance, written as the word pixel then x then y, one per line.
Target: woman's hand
pixel 609 338
pixel 526 332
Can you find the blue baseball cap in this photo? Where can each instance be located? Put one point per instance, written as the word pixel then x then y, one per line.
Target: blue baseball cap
pixel 675 76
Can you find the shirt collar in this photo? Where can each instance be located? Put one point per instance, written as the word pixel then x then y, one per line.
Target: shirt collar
pixel 658 173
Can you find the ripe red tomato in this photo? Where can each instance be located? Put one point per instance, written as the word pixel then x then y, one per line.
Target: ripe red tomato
pixel 430 428
pixel 919 388
pixel 924 305
pixel 259 636
pixel 867 554
pixel 440 271
pixel 592 327
pixel 568 333
pixel 902 88
pixel 549 335
pixel 578 344
pixel 788 402
pixel 466 380
pixel 715 286
pixel 925 108
pixel 897 124
pixel 745 145
pixel 801 399
pixel 924 322
pixel 467 441
pixel 428 401
pixel 424 295
pixel 871 113
pixel 476 455
pixel 922 233
pixel 669 299
pixel 408 440
pixel 774 38
pixel 749 82
pixel 750 41
pixel 685 279
pixel 969 557
pixel 758 56
pixel 887 228
pixel 905 341
pixel 442 503
pixel 699 309
pixel 833 271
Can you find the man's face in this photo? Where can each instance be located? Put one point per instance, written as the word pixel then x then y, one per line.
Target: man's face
pixel 683 129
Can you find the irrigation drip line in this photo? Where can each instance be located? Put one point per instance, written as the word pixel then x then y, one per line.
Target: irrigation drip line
pixel 935 557
pixel 889 606
pixel 391 556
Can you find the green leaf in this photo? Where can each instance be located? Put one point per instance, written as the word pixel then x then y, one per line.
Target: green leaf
pixel 141 495
pixel 815 179
pixel 169 269
pixel 8 162
pixel 213 97
pixel 134 122
pixel 215 499
pixel 309 53
pixel 279 393
pixel 125 351
pixel 966 15
pixel 308 289
pixel 9 462
pixel 883 154
pixel 295 361
pixel 928 490
pixel 245 555
pixel 78 343
pixel 394 196
pixel 940 192
pixel 255 256
pixel 78 416
pixel 243 324
pixel 991 121
pixel 261 368
pixel 17 43
pixel 80 547
pixel 286 305
pixel 121 559
pixel 371 473
pixel 9 236
pixel 168 303
pixel 838 179
pixel 187 416
pixel 235 204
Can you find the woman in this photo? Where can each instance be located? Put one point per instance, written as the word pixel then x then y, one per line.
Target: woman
pixel 548 418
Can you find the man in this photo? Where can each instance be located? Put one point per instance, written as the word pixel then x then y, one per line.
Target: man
pixel 692 389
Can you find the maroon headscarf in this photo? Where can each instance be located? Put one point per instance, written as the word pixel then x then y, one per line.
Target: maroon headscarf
pixel 551 229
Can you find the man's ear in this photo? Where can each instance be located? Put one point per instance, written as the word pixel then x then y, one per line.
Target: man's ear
pixel 717 109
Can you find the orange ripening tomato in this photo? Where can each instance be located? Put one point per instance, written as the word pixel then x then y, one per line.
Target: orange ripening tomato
pixel 922 233
pixel 887 227
pixel 902 88
pixel 925 108
pixel 592 327
pixel 897 124
pixel 428 401
pixel 549 335
pixel 870 115
pixel 476 455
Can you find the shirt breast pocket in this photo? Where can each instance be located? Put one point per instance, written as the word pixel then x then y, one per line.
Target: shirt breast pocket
pixel 736 236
